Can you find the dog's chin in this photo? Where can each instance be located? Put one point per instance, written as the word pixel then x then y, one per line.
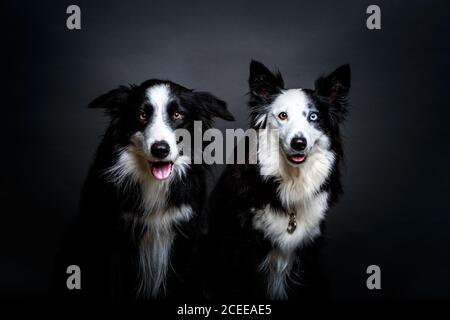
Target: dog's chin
pixel 296 159
pixel 161 170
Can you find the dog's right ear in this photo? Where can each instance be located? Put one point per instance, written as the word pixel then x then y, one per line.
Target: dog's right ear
pixel 263 83
pixel 112 100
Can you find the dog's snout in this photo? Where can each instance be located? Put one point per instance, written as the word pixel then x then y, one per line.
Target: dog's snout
pixel 160 149
pixel 298 143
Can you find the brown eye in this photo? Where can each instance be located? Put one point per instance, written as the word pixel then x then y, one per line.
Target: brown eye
pixel 177 115
pixel 283 116
pixel 142 117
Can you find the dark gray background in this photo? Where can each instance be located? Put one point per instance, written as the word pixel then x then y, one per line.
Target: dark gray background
pixel 395 212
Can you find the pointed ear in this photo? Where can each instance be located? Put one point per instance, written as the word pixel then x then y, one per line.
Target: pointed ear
pixel 336 85
pixel 262 82
pixel 212 106
pixel 112 100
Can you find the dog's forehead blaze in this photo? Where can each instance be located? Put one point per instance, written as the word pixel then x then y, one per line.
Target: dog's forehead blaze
pixel 293 100
pixel 159 96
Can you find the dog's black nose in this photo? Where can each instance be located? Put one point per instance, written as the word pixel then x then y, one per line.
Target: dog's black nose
pixel 160 149
pixel 298 143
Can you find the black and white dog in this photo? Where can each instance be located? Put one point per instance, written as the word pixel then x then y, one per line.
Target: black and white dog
pixel 266 219
pixel 136 232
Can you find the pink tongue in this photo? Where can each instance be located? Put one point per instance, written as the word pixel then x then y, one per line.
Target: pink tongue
pixel 161 170
pixel 298 158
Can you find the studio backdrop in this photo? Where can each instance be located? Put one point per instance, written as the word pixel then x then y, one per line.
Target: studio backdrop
pixel 394 212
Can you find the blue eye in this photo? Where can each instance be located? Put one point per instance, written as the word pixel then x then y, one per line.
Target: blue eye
pixel 313 116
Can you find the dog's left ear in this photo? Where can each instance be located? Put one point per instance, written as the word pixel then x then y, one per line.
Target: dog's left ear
pixel 262 82
pixel 113 100
pixel 212 106
pixel 335 86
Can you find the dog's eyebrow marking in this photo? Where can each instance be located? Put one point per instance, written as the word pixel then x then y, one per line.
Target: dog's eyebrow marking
pixel 304 113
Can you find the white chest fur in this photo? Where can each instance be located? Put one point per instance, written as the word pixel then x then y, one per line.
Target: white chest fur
pixel 278 262
pixel 155 246
pixel 309 214
pixel 158 220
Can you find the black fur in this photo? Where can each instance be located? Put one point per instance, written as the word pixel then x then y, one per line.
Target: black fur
pixel 100 242
pixel 236 248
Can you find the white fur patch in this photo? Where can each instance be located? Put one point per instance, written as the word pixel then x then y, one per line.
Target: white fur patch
pixel 158 129
pixel 274 224
pixel 277 265
pixel 160 221
pixel 159 95
pixel 155 248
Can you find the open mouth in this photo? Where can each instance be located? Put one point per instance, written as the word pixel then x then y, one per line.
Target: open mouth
pixel 297 158
pixel 161 170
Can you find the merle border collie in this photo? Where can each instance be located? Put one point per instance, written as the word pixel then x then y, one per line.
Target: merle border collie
pixel 266 219
pixel 135 236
